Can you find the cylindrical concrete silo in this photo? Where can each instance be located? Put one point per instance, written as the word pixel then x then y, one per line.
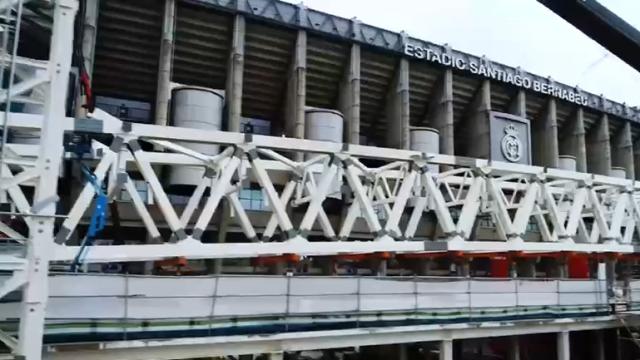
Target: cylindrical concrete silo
pixel 567 162
pixel 619 172
pixel 426 140
pixel 325 125
pixel 196 108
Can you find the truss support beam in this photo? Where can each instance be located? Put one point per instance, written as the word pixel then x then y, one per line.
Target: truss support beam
pixel 397 108
pixel 478 122
pixel 545 137
pixel 297 89
pixel 440 114
pixel 349 101
pixel 165 63
pixel 599 147
pixel 236 73
pixel 622 150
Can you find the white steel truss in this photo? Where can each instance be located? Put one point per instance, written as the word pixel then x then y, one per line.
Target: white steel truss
pixel 390 198
pixel 570 211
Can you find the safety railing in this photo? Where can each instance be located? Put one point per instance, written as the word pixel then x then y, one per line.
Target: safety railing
pixel 140 306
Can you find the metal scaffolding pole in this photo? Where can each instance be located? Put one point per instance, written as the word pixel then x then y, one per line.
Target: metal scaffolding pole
pixel 35 293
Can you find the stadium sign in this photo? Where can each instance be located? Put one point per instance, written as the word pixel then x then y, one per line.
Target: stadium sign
pixel 483 67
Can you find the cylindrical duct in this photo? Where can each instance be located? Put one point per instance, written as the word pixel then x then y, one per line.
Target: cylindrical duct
pixel 426 140
pixel 619 172
pixel 567 162
pixel 196 108
pixel 325 125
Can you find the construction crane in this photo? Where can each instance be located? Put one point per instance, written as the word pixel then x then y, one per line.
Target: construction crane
pixel 601 25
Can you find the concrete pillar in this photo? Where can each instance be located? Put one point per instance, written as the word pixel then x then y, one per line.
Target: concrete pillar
pixel 518 105
pixel 574 141
pixel 350 96
pixel 403 353
pixel 397 109
pixel 440 115
pixel 478 144
pixel 296 89
pixel 598 345
pixel 599 148
pixel 446 350
pixel 514 348
pixel 564 348
pixel 622 150
pixel 545 137
pixel 276 356
pixel 165 62
pixel 235 75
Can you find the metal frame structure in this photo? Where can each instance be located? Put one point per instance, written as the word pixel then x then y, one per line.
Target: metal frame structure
pixel 574 212
pixel 30 271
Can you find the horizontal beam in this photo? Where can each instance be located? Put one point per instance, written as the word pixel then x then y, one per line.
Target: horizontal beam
pixel 194 249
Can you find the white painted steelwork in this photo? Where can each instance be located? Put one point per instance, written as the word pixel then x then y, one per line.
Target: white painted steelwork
pixel 514 195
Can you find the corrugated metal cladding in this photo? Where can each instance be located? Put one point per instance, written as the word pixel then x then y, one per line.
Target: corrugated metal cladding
pixel 127 48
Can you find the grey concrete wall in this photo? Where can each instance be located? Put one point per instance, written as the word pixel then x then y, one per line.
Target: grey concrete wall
pixel 599 147
pixel 349 100
pixel 235 75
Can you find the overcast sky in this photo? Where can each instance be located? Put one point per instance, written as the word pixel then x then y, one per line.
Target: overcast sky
pixel 514 32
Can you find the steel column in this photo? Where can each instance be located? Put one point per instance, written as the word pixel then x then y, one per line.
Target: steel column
pixel 39 247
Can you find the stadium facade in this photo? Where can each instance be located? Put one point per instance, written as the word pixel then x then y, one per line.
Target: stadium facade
pixel 260 179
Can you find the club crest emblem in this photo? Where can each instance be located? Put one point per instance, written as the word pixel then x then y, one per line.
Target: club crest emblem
pixel 511 145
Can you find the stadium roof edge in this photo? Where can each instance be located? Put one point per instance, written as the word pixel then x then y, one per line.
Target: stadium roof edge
pixel 301 17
